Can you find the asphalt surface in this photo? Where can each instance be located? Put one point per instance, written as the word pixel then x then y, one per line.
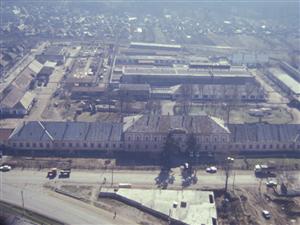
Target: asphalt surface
pixel 71 211
pixel 46 202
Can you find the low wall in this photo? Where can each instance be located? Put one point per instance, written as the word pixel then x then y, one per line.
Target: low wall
pixel 130 202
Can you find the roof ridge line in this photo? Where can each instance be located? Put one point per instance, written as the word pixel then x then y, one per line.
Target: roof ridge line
pixel 88 130
pixel 46 131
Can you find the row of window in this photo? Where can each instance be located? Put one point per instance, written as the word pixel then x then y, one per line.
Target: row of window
pixel 137 146
pixel 199 140
pixel 64 145
pixel 137 138
pixel 146 146
pixel 225 97
pixel 264 146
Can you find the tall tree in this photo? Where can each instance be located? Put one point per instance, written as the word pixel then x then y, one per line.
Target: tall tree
pixel 171 147
pixel 191 143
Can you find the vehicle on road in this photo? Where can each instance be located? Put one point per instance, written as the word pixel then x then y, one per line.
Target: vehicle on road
pixel 52 173
pixel 124 185
pixel 64 173
pixel 211 169
pixel 264 171
pixel 5 168
pixel 266 214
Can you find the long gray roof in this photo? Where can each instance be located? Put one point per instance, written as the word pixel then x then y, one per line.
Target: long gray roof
pixel 201 124
pixel 12 97
pixel 263 132
pixel 67 131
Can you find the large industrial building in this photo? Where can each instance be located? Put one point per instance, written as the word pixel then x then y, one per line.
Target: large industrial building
pixel 54 53
pixel 155 46
pixel 173 76
pixel 286 82
pixel 67 136
pixel 264 137
pixel 148 133
pixel 211 92
pixel 16 99
pixel 152 71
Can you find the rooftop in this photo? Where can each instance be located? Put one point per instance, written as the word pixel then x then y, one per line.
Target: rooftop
pixel 12 98
pixel 149 57
pixel 71 131
pixel 24 79
pixel 144 44
pixel 159 71
pixel 86 79
pixel 97 89
pixel 263 132
pixel 188 206
pixel 202 124
pixel 134 87
pixel 35 66
pixel 53 50
pixel 289 81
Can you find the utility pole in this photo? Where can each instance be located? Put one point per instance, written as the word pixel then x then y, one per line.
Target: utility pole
pixel 112 176
pixel 228 162
pixel 226 177
pixel 1 194
pixel 233 181
pixel 23 205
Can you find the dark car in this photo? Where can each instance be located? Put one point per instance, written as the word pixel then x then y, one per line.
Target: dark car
pixel 64 174
pixel 52 173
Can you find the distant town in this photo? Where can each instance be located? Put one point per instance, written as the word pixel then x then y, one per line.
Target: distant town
pixel 172 116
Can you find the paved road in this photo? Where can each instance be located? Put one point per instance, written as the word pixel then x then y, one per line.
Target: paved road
pixel 71 211
pixel 43 201
pixel 136 178
pixel 243 178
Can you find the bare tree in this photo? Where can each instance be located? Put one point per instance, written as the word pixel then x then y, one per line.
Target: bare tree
pixel 186 98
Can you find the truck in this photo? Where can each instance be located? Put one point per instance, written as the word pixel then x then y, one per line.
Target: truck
pixel 263 170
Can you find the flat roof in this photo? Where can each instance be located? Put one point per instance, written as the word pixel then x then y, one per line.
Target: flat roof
pixel 150 57
pixel 146 44
pixel 192 207
pixel 289 81
pixel 53 50
pixel 184 71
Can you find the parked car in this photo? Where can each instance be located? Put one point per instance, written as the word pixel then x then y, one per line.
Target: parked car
pixel 271 183
pixel 64 173
pixel 5 168
pixel 266 214
pixel 52 173
pixel 211 169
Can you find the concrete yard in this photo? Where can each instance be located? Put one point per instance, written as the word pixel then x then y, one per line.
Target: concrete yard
pixel 188 206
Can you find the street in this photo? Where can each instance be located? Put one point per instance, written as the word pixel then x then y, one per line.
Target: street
pixel 70 211
pixel 45 202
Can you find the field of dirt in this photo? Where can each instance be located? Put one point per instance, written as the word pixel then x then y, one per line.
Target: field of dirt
pixel 61 163
pixel 244 207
